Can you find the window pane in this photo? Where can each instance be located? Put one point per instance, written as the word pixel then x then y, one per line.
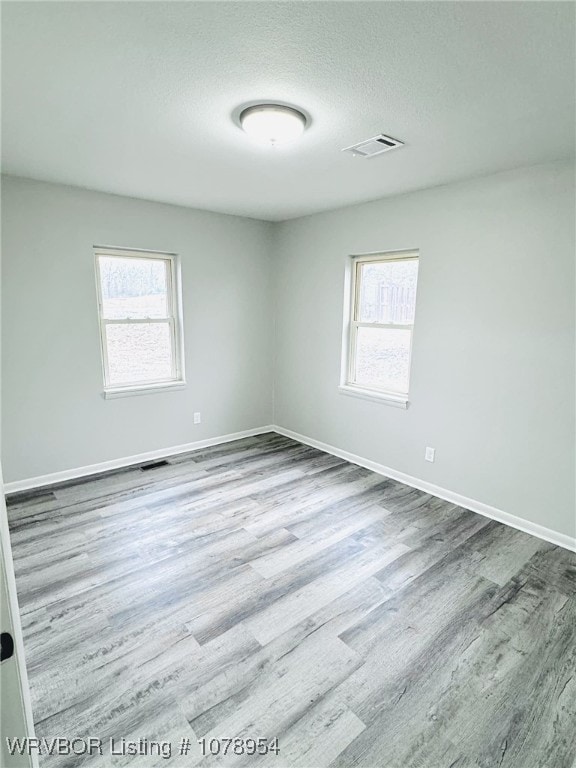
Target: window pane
pixel 388 291
pixel 383 359
pixel 133 288
pixel 139 352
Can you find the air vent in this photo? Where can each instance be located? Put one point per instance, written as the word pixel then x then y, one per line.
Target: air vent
pixel 374 146
pixel 153 465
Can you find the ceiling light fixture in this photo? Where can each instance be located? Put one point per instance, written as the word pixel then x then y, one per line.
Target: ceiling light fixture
pixel 272 123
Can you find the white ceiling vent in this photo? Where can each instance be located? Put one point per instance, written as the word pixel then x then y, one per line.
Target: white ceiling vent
pixel 374 146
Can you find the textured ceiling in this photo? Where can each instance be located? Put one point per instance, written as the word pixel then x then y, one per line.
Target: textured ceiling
pixel 136 98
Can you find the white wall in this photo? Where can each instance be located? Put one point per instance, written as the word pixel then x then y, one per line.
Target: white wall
pixel 494 344
pixel 54 415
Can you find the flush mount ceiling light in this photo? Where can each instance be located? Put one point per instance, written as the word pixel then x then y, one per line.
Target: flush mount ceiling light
pixel 272 123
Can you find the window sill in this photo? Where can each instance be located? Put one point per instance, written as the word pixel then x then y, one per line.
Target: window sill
pixel 397 401
pixel 145 389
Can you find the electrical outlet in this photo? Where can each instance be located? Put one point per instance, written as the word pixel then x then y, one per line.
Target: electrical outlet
pixel 197 417
pixel 429 455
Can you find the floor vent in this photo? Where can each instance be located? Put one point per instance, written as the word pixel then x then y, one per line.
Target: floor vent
pixel 374 146
pixel 153 465
pixel 35 496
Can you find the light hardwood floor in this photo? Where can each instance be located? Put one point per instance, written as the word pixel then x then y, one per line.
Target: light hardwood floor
pixel 263 588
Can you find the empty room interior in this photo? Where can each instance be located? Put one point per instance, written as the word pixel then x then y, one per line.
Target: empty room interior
pixel 288 384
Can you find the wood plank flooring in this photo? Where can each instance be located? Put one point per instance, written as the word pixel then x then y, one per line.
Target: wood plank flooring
pixel 265 589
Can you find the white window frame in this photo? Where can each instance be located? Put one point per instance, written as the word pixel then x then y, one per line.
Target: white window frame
pixel 173 319
pixel 348 385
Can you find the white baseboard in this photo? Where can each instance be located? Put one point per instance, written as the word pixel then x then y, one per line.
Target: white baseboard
pixel 560 539
pixel 105 466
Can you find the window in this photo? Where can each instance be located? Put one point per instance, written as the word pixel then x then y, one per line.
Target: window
pixel 381 323
pixel 140 325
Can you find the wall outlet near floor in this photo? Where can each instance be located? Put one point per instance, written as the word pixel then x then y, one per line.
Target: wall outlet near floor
pixel 197 417
pixel 429 455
